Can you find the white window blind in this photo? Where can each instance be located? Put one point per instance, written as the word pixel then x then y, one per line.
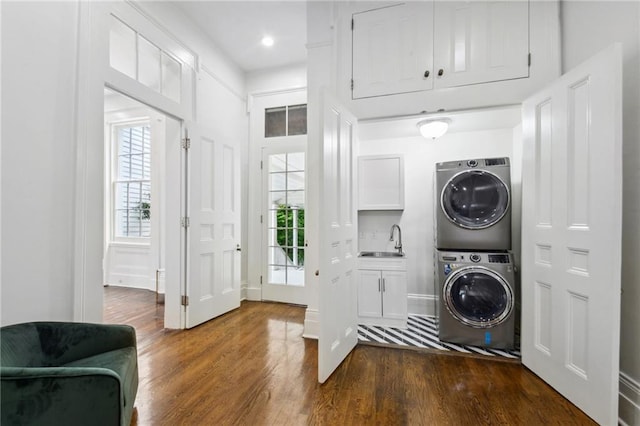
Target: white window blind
pixel 132 185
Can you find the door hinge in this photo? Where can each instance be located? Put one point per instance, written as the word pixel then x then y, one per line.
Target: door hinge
pixel 529 59
pixel 185 301
pixel 260 279
pixel 185 222
pixel 353 24
pixel 351 84
pixel 186 143
pixel 260 218
pixel 261 165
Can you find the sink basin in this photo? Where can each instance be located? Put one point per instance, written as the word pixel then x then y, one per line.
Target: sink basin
pixel 381 254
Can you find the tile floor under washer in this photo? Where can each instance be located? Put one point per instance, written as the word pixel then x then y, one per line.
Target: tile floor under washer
pixel 422 332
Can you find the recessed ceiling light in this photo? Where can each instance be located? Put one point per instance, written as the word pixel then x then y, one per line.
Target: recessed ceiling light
pixel 267 41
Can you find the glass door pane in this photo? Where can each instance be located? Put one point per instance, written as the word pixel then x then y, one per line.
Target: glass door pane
pixel 286 219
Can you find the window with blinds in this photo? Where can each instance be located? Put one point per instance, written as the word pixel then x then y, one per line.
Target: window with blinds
pixel 132 183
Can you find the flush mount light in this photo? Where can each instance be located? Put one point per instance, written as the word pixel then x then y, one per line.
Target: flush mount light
pixel 433 128
pixel 267 41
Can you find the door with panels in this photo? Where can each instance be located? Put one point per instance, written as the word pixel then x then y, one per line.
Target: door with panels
pixel 212 217
pixel 571 234
pixel 338 239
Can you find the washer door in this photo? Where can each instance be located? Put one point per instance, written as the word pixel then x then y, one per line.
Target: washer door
pixel 475 199
pixel 478 297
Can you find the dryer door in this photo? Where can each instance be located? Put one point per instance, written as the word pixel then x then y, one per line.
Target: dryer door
pixel 475 199
pixel 478 297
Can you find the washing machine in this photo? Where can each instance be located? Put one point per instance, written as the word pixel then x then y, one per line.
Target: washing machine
pixel 476 298
pixel 473 204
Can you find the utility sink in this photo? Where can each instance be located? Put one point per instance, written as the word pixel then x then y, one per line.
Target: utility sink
pixel 381 254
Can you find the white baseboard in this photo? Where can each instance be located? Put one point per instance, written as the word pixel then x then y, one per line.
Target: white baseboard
pixel 253 293
pixel 421 304
pixel 629 401
pixel 311 324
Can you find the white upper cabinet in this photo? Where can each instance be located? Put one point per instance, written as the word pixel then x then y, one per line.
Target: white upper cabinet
pixel 393 50
pixel 381 182
pixel 419 46
pixel 480 42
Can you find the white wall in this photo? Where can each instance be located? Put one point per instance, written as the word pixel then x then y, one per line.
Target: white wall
pixel 39 58
pixel 417 219
pixel 587 28
pixel 277 79
pixel 48 166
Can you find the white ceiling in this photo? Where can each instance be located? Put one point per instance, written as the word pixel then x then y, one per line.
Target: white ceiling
pixel 237 27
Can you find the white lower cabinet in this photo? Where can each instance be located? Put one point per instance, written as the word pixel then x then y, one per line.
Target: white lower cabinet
pixel 382 296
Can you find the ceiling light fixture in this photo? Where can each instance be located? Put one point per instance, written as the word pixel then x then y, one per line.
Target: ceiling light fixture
pixel 433 128
pixel 267 41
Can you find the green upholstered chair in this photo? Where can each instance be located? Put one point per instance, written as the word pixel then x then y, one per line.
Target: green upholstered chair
pixel 65 373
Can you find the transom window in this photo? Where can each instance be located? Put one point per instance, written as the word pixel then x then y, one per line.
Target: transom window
pixel 132 181
pixel 285 121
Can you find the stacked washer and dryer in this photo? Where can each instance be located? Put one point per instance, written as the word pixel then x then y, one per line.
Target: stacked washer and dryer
pixel 474 269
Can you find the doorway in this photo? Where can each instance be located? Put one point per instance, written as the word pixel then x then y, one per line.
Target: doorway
pixel 284 190
pixel 135 138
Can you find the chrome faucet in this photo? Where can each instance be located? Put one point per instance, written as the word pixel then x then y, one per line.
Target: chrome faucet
pixel 399 242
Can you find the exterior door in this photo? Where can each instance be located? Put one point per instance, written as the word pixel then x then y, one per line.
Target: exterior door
pixel 284 224
pixel 338 239
pixel 571 234
pixel 213 228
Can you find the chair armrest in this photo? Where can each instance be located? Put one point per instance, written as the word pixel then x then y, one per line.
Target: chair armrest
pixel 60 395
pixel 64 342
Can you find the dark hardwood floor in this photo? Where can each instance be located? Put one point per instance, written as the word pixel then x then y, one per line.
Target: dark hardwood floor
pixel 252 367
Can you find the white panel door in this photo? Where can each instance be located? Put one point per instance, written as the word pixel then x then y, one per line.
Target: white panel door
pixel 571 234
pixel 480 42
pixel 213 233
pixel 338 240
pixel 393 50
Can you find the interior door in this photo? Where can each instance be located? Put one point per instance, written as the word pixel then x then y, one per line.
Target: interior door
pixel 571 234
pixel 213 228
pixel 338 239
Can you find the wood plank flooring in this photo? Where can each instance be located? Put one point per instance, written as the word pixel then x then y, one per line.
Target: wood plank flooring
pixel 252 367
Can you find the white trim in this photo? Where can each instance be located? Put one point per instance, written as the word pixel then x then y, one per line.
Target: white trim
pixel 266 93
pixel 253 293
pixel 629 401
pixel 311 324
pixel 421 304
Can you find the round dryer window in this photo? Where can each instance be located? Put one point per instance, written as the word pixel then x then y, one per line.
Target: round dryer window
pixel 475 199
pixel 478 297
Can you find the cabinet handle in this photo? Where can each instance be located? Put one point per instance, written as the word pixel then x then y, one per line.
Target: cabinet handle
pixel 384 285
pixel 379 288
pixel 440 72
pixel 426 74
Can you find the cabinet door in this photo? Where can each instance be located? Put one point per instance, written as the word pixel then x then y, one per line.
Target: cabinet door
pixel 369 298
pixel 393 50
pixel 381 182
pixel 394 295
pixel 480 42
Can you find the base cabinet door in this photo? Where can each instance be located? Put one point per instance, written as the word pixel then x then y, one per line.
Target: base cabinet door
pixel 382 297
pixel 394 295
pixel 369 299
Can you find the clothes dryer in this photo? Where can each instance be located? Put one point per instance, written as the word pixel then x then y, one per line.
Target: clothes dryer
pixel 476 298
pixel 473 205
